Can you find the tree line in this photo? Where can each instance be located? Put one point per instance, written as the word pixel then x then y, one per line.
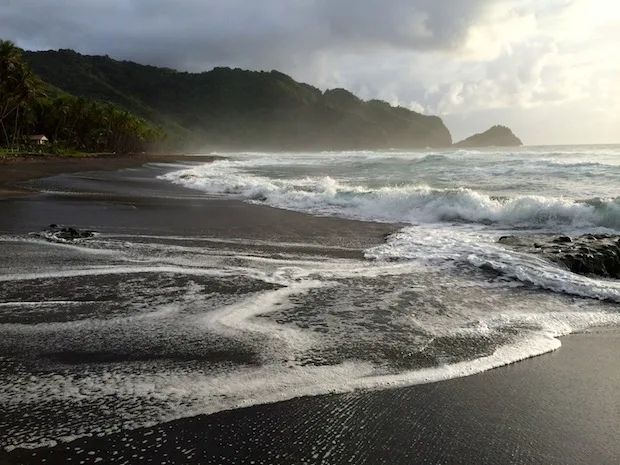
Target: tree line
pixel 69 122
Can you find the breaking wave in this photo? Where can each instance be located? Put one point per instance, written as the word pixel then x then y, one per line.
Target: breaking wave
pixel 446 227
pixel 400 204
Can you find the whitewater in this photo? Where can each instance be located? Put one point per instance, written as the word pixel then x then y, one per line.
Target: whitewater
pixel 200 324
pixel 453 204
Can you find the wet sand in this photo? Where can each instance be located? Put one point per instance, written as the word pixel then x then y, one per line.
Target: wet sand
pixel 133 201
pixel 15 170
pixel 559 408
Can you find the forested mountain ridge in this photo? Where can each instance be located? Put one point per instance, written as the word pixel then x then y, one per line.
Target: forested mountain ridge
pixel 236 109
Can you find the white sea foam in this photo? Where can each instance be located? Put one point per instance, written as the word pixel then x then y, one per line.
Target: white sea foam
pixel 445 247
pixel 138 395
pixel 112 270
pixel 410 204
pixel 452 224
pixel 148 397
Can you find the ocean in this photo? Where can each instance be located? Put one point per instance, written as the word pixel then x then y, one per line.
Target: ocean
pixel 453 205
pixel 130 329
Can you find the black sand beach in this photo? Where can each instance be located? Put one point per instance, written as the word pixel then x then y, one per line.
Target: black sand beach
pixel 134 202
pixel 16 170
pixel 559 408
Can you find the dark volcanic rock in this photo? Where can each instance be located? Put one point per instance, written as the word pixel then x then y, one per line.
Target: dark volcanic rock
pixel 497 136
pixel 590 254
pixel 55 232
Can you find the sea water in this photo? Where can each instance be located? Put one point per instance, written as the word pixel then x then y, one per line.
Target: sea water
pixel 152 328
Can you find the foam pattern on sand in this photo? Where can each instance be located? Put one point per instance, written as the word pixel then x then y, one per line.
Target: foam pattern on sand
pixel 175 330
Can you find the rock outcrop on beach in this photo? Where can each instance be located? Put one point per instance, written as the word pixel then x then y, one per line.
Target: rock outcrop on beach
pixel 590 254
pixel 65 234
pixel 497 136
pixel 236 109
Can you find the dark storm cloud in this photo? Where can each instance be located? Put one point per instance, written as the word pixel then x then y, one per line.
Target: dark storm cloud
pixel 196 34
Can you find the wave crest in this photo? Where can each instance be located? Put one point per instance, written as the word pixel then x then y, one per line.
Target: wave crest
pixel 408 204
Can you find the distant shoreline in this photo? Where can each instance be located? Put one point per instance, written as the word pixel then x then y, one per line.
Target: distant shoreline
pixel 22 168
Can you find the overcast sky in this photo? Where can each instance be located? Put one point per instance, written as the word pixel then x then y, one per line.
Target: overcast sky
pixel 549 69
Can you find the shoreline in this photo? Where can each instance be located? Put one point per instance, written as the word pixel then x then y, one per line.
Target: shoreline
pixel 92 190
pixel 19 169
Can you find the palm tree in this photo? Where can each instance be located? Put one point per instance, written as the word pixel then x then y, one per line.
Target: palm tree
pixel 10 60
pixel 28 92
pixel 9 65
pixel 19 87
pixel 60 108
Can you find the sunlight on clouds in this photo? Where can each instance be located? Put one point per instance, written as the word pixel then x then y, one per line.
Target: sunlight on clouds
pixel 495 33
pixel 536 56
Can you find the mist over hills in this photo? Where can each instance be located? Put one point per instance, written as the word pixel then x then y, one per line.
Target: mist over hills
pixel 237 109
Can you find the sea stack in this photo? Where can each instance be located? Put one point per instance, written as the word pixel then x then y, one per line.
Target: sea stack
pixel 497 136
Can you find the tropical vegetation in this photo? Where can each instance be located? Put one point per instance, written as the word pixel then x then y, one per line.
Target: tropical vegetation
pixel 30 106
pixel 236 109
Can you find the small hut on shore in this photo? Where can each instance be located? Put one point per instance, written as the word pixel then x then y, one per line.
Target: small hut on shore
pixel 37 139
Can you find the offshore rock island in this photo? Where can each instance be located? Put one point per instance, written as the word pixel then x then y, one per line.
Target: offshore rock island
pixel 497 136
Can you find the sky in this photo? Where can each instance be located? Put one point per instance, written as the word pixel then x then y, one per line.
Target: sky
pixel 548 69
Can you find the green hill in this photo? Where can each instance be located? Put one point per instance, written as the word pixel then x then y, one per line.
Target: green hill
pixel 32 109
pixel 236 109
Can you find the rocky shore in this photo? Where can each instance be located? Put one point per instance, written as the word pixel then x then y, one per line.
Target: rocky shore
pixel 589 254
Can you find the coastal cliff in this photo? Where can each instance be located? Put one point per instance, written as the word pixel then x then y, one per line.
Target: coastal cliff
pixel 497 136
